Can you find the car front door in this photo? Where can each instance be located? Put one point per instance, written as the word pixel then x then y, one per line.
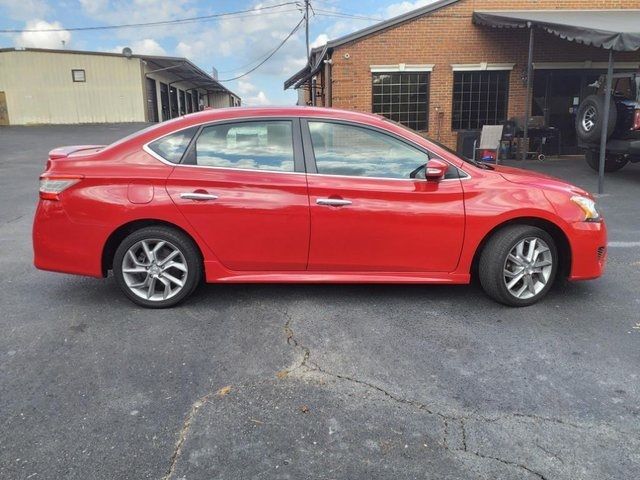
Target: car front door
pixel 242 186
pixel 372 209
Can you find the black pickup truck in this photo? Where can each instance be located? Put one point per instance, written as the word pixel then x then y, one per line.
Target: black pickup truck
pixel 623 124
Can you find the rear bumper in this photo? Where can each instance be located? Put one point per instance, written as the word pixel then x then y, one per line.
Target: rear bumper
pixel 630 147
pixel 619 147
pixel 60 245
pixel 588 250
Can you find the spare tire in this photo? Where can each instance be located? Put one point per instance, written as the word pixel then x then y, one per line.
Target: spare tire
pixel 590 119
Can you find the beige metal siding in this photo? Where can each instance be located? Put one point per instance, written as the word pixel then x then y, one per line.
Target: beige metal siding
pixel 220 100
pixel 40 89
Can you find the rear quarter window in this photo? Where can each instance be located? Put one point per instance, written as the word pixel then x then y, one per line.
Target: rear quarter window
pixel 172 147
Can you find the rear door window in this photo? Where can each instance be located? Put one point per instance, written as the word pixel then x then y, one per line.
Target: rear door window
pixel 262 145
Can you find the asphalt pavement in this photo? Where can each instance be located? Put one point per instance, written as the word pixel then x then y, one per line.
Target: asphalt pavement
pixel 325 382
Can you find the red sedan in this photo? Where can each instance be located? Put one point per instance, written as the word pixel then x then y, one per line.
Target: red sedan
pixel 306 195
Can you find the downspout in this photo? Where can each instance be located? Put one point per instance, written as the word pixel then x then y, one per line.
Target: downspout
pixel 313 91
pixel 327 82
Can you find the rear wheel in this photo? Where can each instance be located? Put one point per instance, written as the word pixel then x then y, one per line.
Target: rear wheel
pixel 518 265
pixel 612 163
pixel 157 267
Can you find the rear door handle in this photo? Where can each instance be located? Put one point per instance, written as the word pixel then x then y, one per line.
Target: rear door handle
pixel 203 197
pixel 333 202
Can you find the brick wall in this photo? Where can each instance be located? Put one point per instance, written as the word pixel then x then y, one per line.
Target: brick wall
pixel 448 36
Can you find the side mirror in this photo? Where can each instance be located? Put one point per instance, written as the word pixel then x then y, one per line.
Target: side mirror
pixel 436 169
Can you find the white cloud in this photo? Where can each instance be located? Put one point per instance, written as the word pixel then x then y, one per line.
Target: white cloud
pixel 245 87
pixel 146 46
pixel 291 65
pixel 25 9
pixel 399 8
pixel 259 100
pixel 43 39
pixel 136 11
pixel 255 35
pixel 185 50
pixel 320 40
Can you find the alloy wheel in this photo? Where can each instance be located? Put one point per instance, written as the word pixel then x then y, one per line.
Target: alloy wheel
pixel 154 269
pixel 528 268
pixel 589 118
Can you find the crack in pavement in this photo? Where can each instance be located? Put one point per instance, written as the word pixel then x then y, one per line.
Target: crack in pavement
pixel 464 435
pixel 460 445
pixel 7 222
pixel 550 453
pixel 182 436
pixel 507 462
pixel 310 366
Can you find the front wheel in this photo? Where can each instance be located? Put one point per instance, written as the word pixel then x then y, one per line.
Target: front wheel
pixel 518 265
pixel 157 267
pixel 612 163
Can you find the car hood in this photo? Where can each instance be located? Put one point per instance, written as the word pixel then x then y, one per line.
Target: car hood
pixel 539 180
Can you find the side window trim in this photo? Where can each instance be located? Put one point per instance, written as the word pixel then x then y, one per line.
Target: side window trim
pixel 189 159
pixel 310 158
pixel 309 155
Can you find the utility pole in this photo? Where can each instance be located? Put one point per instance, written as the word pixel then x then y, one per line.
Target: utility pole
pixel 306 28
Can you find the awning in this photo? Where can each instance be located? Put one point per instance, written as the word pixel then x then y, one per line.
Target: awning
pixel 611 29
pixel 184 70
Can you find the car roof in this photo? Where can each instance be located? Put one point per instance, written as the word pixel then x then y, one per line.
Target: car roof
pixel 252 113
pixel 285 111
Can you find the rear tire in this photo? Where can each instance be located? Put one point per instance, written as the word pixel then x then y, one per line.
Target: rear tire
pixel 612 163
pixel 157 267
pixel 511 273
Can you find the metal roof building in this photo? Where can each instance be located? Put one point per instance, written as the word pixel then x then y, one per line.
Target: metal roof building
pixel 39 86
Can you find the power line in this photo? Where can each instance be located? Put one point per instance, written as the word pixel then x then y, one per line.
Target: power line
pixel 248 64
pixel 295 29
pixel 178 21
pixel 339 14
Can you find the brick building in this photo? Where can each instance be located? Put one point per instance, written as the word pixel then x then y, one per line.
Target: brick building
pixel 439 72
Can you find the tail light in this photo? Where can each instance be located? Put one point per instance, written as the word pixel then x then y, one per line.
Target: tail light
pixel 636 120
pixel 51 186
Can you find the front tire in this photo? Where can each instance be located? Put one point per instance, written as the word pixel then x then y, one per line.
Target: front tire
pixel 157 267
pixel 518 265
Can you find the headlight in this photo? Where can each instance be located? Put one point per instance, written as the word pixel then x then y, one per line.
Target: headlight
pixel 588 206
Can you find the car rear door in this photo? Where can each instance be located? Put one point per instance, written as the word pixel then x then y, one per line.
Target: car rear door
pixel 370 208
pixel 242 186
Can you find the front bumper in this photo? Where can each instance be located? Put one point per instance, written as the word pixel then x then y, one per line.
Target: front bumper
pixel 588 250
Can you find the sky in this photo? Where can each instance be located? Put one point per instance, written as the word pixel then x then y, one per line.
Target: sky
pixel 231 44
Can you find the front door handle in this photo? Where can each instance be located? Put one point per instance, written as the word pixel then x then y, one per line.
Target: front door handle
pixel 198 196
pixel 333 202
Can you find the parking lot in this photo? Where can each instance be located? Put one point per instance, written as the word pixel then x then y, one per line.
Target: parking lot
pixel 326 382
